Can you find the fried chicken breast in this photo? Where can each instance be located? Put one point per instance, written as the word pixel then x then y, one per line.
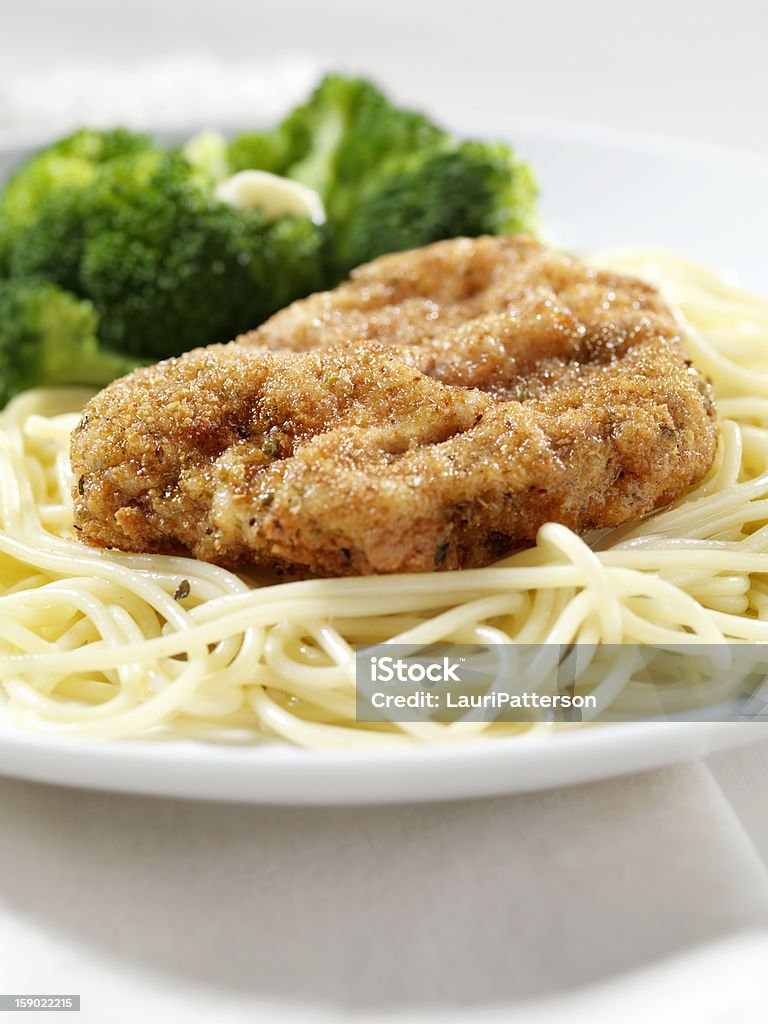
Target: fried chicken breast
pixel 430 413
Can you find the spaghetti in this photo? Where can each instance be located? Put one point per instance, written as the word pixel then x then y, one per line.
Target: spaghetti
pixel 113 645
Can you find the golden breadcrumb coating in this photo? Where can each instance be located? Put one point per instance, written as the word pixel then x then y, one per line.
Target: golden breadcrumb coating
pixel 430 413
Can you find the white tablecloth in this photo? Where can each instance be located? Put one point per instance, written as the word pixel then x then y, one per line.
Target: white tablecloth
pixel 643 898
pixel 519 906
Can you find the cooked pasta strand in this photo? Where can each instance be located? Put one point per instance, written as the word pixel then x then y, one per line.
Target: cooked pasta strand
pixel 112 645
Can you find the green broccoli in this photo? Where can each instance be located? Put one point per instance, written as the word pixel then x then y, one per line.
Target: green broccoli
pixel 262 151
pixel 48 337
pixel 390 178
pixel 208 155
pixel 167 266
pixel 141 232
pixel 339 138
pixel 50 247
pixel 71 164
pixel 468 188
pixel 46 206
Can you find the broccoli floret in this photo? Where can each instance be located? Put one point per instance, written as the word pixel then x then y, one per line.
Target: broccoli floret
pixel 390 178
pixel 46 207
pixel 5 254
pixel 259 151
pixel 48 337
pixel 217 158
pixel 169 268
pixel 335 140
pixel 470 188
pixel 342 134
pixel 72 163
pixel 208 155
pixel 138 229
pixel 51 246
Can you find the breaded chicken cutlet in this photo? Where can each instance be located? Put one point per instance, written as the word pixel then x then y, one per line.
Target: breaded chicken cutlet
pixel 430 413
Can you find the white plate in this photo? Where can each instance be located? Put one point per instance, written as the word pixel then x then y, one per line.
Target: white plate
pixel 598 191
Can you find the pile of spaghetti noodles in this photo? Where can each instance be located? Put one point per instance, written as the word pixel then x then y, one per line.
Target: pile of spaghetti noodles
pixel 112 645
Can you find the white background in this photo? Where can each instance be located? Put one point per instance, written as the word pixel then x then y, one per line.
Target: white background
pixel 175 911
pixel 679 68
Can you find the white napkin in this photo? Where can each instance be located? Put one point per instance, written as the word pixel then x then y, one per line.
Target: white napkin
pixel 518 909
pixel 177 91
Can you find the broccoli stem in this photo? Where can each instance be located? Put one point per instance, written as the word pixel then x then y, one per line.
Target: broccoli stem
pixel 93 368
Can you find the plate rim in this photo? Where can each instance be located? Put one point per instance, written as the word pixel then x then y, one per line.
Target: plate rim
pixel 276 773
pixel 494 122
